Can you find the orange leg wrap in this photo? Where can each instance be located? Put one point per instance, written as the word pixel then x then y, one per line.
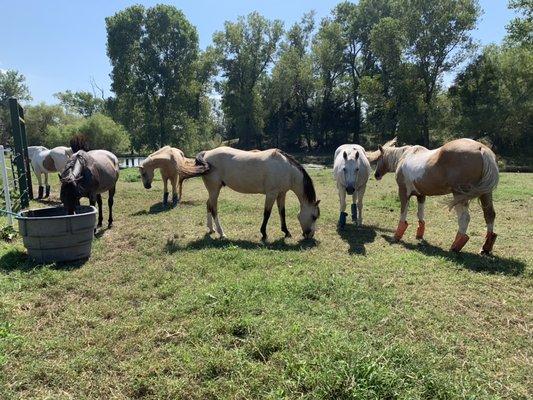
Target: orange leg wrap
pixel 400 230
pixel 459 242
pixel 421 229
pixel 490 238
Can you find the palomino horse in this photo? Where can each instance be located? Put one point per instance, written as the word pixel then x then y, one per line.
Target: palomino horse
pixel 351 170
pixel 44 161
pixel 88 174
pixel 463 167
pixel 270 172
pixel 166 159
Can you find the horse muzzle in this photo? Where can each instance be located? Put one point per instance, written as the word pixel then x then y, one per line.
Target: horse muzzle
pixel 350 190
pixel 308 234
pixel 147 185
pixel 378 176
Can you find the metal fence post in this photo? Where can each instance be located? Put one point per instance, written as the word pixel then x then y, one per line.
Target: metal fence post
pixel 25 150
pixel 19 152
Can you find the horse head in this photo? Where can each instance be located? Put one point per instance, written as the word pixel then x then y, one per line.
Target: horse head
pixel 381 159
pixel 147 175
pixel 350 170
pixel 73 181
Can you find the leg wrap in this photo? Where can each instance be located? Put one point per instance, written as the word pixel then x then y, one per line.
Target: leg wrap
pixel 459 242
pixel 400 230
pixel 354 212
pixel 342 219
pixel 47 194
pixel 165 198
pixel 421 229
pixel 41 190
pixel 490 238
pixel 175 200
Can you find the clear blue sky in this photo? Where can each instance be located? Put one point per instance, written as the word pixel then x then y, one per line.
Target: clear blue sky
pixel 61 44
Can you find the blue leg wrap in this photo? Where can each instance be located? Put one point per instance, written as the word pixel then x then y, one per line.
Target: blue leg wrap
pixel 354 212
pixel 342 219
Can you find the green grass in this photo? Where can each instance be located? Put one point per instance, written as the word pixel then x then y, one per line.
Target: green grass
pixel 161 311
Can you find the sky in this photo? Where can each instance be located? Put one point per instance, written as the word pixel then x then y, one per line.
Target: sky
pixel 61 44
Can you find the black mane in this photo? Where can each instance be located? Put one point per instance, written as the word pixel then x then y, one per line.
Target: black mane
pixel 309 188
pixel 79 142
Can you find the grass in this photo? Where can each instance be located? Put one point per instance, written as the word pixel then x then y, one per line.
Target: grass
pixel 162 311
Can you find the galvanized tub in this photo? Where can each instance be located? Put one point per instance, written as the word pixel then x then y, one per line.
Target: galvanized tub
pixel 49 234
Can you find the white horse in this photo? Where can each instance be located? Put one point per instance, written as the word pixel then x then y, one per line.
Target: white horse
pixel 45 161
pixel 351 170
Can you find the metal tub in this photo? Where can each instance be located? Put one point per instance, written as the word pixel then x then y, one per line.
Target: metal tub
pixel 49 234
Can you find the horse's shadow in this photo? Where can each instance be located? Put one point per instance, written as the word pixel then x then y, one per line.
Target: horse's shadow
pixel 357 237
pixel 18 260
pixel 49 202
pixel 160 207
pixel 209 242
pixel 474 262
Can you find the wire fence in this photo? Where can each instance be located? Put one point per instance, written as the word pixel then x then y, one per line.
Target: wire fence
pixel 10 195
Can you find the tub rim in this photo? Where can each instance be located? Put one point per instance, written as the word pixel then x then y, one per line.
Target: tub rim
pixel 26 218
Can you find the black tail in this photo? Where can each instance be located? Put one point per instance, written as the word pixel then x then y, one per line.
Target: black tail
pixel 79 142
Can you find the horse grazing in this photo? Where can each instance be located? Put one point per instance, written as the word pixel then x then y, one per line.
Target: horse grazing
pixel 270 172
pixel 88 174
pixel 167 160
pixel 44 161
pixel 351 170
pixel 463 167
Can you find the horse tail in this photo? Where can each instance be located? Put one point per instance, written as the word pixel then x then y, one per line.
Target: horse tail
pixel 79 142
pixel 189 168
pixel 487 184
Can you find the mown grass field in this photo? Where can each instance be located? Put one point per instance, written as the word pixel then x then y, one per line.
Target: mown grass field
pixel 161 311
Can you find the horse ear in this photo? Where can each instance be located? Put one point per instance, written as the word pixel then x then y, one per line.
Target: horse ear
pixel 356 155
pixel 345 155
pixel 59 175
pixel 317 203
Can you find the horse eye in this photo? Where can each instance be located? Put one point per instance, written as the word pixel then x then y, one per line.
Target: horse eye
pixel 344 169
pixel 314 217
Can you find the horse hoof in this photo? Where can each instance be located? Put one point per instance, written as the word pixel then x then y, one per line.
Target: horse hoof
pixel 109 226
pixel 223 236
pixel 288 235
pixel 263 238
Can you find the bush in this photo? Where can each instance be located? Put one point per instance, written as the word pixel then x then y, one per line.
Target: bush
pixel 100 130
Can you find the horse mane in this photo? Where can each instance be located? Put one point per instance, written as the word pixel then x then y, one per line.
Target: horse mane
pixel 79 142
pixel 309 188
pixel 67 175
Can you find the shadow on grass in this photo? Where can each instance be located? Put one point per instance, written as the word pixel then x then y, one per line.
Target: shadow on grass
pixel 208 242
pixel 49 202
pixel 357 237
pixel 17 260
pixel 474 262
pixel 159 207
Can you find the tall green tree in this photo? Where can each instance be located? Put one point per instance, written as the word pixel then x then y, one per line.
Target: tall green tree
pixel 80 103
pixel 438 34
pixel 12 84
pixel 246 50
pixel 520 29
pixel 154 53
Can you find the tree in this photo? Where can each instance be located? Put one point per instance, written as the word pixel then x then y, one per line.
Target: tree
pixel 40 118
pixel 12 84
pixel 520 29
pixel 154 53
pixel 289 92
pixel 438 35
pixel 246 49
pixel 100 131
pixel 81 103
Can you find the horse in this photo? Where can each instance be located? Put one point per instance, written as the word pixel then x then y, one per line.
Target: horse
pixel 351 170
pixel 166 159
pixel 464 167
pixel 88 174
pixel 271 172
pixel 44 161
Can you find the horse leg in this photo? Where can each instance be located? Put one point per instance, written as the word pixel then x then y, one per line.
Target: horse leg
pixel 110 202
pixel 359 209
pixel 180 187
pixel 281 208
pixel 342 206
pixel 404 201
pixel 47 186
pixel 212 209
pixel 490 216
pixel 463 218
pixel 100 216
pixel 165 191
pixel 39 179
pixel 175 198
pixel 420 214
pixel 269 202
